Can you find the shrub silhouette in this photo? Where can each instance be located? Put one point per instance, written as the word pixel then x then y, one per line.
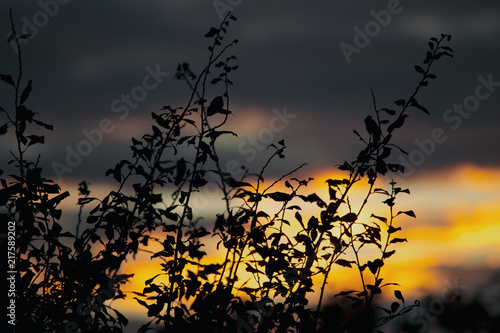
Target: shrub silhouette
pixel 474 310
pixel 67 278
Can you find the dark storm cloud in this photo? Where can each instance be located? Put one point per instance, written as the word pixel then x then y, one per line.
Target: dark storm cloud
pixel 90 53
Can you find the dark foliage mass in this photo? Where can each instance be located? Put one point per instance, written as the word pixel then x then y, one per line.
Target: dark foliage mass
pixel 457 310
pixel 67 278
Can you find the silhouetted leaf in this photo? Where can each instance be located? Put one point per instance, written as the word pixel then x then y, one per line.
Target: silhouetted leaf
pixel 213 31
pixel 205 148
pixel 299 218
pixel 419 69
pixel 251 269
pixel 234 183
pixel 215 134
pixel 408 212
pixel 345 167
pixel 388 254
pixel 121 318
pixel 399 190
pixel 57 199
pixel 312 223
pixel 381 218
pixel 439 55
pixel 313 198
pixel 400 102
pixel 8 79
pixel 447 48
pixel 279 196
pixel 25 114
pixel 333 182
pixel 141 302
pixel 396 167
pixel 428 57
pixel 385 153
pixel 344 263
pixel 371 126
pixel 389 111
pixel 392 229
pixel 374 289
pixel 381 167
pixel 398 240
pixel 399 296
pixel 349 217
pixel 418 106
pixel 84 201
pixel 41 123
pixel 394 307
pixel 92 219
pixel 26 92
pixel 381 190
pixel 148 281
pixel 333 193
pixel 181 170
pixel 358 135
pixel 3 128
pixel 375 265
pixel 398 123
pixel 216 106
pixel 34 139
pixel 56 229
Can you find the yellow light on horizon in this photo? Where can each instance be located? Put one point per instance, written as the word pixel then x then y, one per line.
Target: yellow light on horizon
pixel 444 235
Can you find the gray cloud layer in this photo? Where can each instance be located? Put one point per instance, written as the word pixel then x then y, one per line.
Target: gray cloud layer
pixel 89 53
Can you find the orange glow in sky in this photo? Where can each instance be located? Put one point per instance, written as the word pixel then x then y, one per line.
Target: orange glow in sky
pixel 457 226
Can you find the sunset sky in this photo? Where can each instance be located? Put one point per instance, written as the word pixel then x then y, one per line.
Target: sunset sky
pixel 84 55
